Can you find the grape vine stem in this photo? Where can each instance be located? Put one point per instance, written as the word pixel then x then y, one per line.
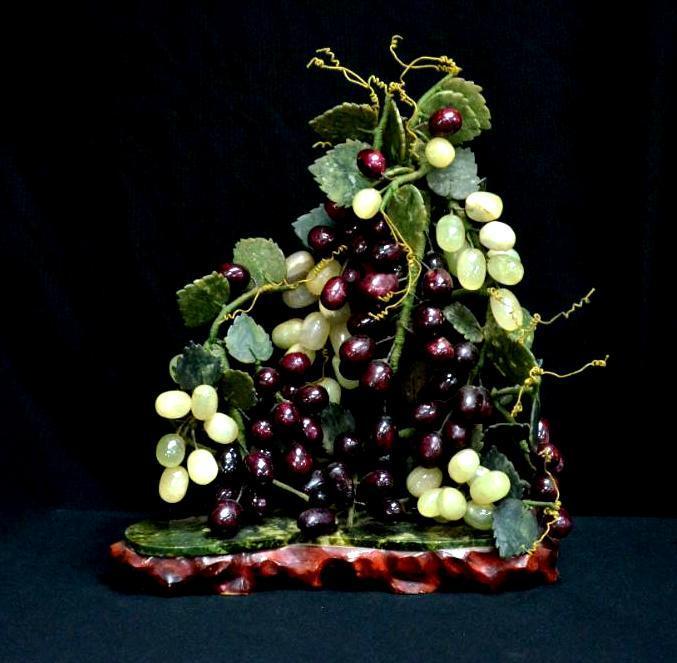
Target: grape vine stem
pixel 290 489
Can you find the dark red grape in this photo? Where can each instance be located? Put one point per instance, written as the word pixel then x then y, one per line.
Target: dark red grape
pixel 562 526
pixel 429 449
pixel 434 261
pixel 544 488
pixel 322 239
pixel 311 398
pixel 358 349
pixel 426 414
pixel 377 227
pixel 334 212
pixel 298 460
pixel 256 503
pixel 294 366
pixel 445 121
pixel 386 252
pixel 543 431
pixel 473 404
pixel 372 163
pixel 289 391
pixel 334 293
pixel 317 489
pixel 340 483
pixel 377 378
pixel 384 433
pixel 238 277
pixel 466 355
pixel 260 466
pixel 311 430
pixel 455 435
pixel 348 447
pixel 362 323
pixel 286 416
pixel 261 430
pixel 230 462
pixel 316 522
pixel 228 491
pixel 377 285
pixel 351 274
pixel 439 350
pixel 443 385
pixel 428 320
pixel 377 482
pixel 267 380
pixel 552 457
pixel 226 518
pixel 391 510
pixel 359 246
pixel 349 229
pixel 437 285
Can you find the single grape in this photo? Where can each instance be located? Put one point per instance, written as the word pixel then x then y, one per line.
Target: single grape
pixel 267 380
pixel 288 391
pixel 506 309
pixel 372 163
pixel 311 398
pixel 445 121
pixel 335 293
pixel 311 430
pixel 230 462
pixel 450 233
pixel 479 516
pixel 227 491
pixel 483 206
pixel 473 404
pixel 173 404
pixel 298 460
pixel 428 320
pixel 316 522
pixel 437 285
pixel 543 431
pixel 377 482
pixel 287 333
pixel 375 286
pixel 221 428
pixel 429 449
pixel 318 277
pixel 455 435
pixel 362 323
pixel 472 269
pixel 260 466
pixel 256 503
pixel 505 269
pixel 299 297
pixel 433 260
pixel 204 402
pixel 366 203
pixel 359 246
pixel 497 236
pixel 322 240
pixel 428 503
pixel 391 510
pixel 479 472
pixel 202 467
pixel 348 447
pixel 451 504
pixel 317 489
pixel 439 350
pixel 357 351
pixel 173 484
pixel 298 265
pixel 552 457
pixel 226 518
pixel 463 465
pixel 426 414
pixel 544 488
pixel 340 483
pixel 294 366
pixel 386 252
pixel 351 275
pixel 443 385
pixel 237 275
pixel 286 416
pixel 377 228
pixel 170 450
pixel 314 331
pixel 421 479
pixel 490 487
pixel 297 347
pixel 439 152
pixel 334 211
pixel 562 526
pixel 377 378
pixel 467 355
pixel 384 433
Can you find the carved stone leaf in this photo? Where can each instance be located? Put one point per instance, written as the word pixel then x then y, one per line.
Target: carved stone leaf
pixel 263 258
pixel 496 460
pixel 458 180
pixel 238 389
pixel 247 341
pixel 394 136
pixel 196 366
pixel 337 174
pixel 345 121
pixel 201 300
pixel 306 222
pixel 515 528
pixel 408 211
pixel 512 359
pixel 463 320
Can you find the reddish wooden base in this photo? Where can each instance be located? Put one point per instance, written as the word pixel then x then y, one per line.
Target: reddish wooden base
pixel 340 567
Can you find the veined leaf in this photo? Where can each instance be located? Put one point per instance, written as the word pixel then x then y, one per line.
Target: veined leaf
pixel 515 528
pixel 196 366
pixel 345 121
pixel 306 222
pixel 495 460
pixel 263 258
pixel 407 210
pixel 201 300
pixel 238 389
pixel 247 341
pixel 458 180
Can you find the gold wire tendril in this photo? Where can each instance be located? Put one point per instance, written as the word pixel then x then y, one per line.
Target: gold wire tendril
pixel 439 63
pixel 568 313
pixel 322 144
pixel 260 290
pixel 536 372
pixel 328 60
pixel 325 359
pixel 551 511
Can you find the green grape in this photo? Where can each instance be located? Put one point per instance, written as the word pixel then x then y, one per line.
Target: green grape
pixel 497 236
pixel 483 206
pixel 366 203
pixel 336 317
pixel 173 484
pixel 439 152
pixel 170 450
pixel 463 465
pixel 421 479
pixel 221 428
pixel 479 472
pixel 450 233
pixel 314 331
pixel 451 503
pixel 337 334
pixel 299 297
pixel 479 516
pixel 298 264
pixel 204 402
pixel 452 257
pixel 173 404
pixel 202 467
pixel 506 309
pixel 287 333
pixel 491 487
pixel 472 269
pixel 333 389
pixel 428 503
pixel 505 269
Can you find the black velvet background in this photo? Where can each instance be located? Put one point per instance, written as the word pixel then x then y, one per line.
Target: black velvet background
pixel 141 141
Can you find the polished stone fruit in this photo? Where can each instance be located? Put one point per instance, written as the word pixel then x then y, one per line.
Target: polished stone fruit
pixel 294 366
pixel 311 398
pixel 483 206
pixel 439 152
pixel 298 460
pixel 497 236
pixel 230 462
pixel 372 163
pixel 267 380
pixel 437 285
pixel 506 309
pixel 298 265
pixel 451 504
pixel 335 293
pixel 463 465
pixel 366 203
pixel 322 239
pixel 450 233
pixel 562 526
pixel 471 269
pixel 490 487
pixel 421 479
pixel 238 277
pixel 473 404
pixel 260 466
pixel 377 378
pixel 317 522
pixel 384 433
pixel 226 518
pixel 445 121
pixel 429 449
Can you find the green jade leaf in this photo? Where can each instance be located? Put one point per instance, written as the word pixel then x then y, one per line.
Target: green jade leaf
pixel 263 258
pixel 345 121
pixel 238 389
pixel 463 320
pixel 305 223
pixel 196 366
pixel 201 300
pixel 515 528
pixel 247 341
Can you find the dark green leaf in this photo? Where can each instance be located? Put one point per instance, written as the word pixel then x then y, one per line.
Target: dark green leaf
pixel 263 258
pixel 345 121
pixel 515 528
pixel 495 460
pixel 201 300
pixel 197 366
pixel 247 341
pixel 463 320
pixel 458 180
pixel 407 210
pixel 337 174
pixel 335 420
pixel 512 359
pixel 238 389
pixel 394 136
pixel 316 217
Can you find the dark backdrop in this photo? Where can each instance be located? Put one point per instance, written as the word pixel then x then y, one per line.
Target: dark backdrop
pixel 139 143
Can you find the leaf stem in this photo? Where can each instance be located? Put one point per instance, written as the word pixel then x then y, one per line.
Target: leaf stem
pixel 236 303
pixel 538 503
pixel 290 489
pixel 378 133
pixel 461 292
